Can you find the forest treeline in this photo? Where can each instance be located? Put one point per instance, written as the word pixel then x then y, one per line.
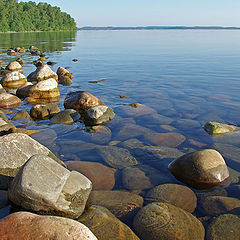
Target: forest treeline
pixel 29 16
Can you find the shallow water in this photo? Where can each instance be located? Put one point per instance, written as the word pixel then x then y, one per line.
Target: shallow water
pixel 188 77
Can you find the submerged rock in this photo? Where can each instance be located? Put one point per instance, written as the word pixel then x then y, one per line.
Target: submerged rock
pixel 202 169
pixel 32 226
pixel 161 221
pixel 105 225
pixel 44 186
pixel 215 128
pixel 13 80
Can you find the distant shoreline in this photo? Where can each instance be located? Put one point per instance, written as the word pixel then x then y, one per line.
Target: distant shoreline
pixel 160 28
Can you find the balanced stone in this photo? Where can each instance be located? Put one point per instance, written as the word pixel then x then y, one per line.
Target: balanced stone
pixel 44 186
pixel 161 221
pixel 202 169
pixel 43 72
pixel 8 100
pixel 32 226
pixel 175 194
pixel 67 116
pixel 16 149
pixel 13 80
pixel 44 110
pixel 14 66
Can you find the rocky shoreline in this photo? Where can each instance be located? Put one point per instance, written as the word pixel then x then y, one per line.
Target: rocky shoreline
pixel 55 198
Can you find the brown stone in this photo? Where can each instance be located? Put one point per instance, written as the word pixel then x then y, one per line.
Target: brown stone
pixel 44 110
pixel 13 80
pixel 8 100
pixel 25 225
pixel 102 177
pixel 14 66
pixel 64 72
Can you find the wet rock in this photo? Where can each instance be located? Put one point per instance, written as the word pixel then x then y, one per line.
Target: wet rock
pixel 131 143
pixel 23 114
pixel 81 101
pixel 105 225
pixel 102 177
pixel 44 111
pixel 165 139
pixel 98 115
pixel 116 157
pixel 16 149
pixel 14 66
pixel 202 169
pixel 13 80
pixel 65 81
pixel 2 90
pixel 123 205
pixel 8 100
pixel 175 194
pixel 67 116
pixel 28 132
pixel 135 179
pixel 5 124
pixel 43 72
pixel 23 91
pixel 215 205
pixel 215 128
pixel 160 221
pixel 224 227
pixel 44 186
pixel 62 72
pixel 32 226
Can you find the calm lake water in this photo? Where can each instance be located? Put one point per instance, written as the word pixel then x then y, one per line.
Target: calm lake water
pixel 186 77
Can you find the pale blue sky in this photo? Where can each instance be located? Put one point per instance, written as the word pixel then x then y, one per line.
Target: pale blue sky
pixel 151 12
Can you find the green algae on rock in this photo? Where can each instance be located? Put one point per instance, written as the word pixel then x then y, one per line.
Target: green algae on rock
pixel 216 128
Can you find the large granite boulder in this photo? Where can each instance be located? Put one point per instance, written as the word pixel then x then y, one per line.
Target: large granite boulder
pixel 25 225
pixel 44 186
pixel 16 149
pixel 14 66
pixel 105 225
pixel 175 194
pixel 215 128
pixel 124 205
pixel 161 221
pixel 98 115
pixel 102 177
pixel 44 111
pixel 13 80
pixel 81 101
pixel 43 72
pixel 8 100
pixel 67 116
pixel 202 169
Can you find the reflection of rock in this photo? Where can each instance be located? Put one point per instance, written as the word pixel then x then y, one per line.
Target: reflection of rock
pixel 175 194
pixel 202 169
pixel 8 100
pixel 224 227
pixel 44 110
pixel 105 225
pixel 102 177
pixel 116 157
pixel 31 226
pixel 67 116
pixel 123 205
pixel 13 80
pixel 42 72
pixel 44 186
pixel 16 149
pixel 161 221
pixel 214 128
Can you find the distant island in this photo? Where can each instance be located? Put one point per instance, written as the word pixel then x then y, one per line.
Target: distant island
pixel 160 28
pixel 29 16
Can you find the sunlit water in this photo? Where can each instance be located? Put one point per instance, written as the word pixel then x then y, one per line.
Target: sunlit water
pixel 188 76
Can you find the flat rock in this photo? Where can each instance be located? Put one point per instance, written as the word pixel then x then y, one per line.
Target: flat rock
pixel 8 100
pixel 136 111
pixel 44 111
pixel 105 225
pixel 116 157
pixel 102 177
pixel 224 227
pixel 44 186
pixel 124 205
pixel 13 80
pixel 16 149
pixel 175 194
pixel 202 169
pixel 161 221
pixel 25 225
pixel 155 118
pixel 67 116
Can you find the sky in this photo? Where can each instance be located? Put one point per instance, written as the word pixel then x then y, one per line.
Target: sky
pixel 151 12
